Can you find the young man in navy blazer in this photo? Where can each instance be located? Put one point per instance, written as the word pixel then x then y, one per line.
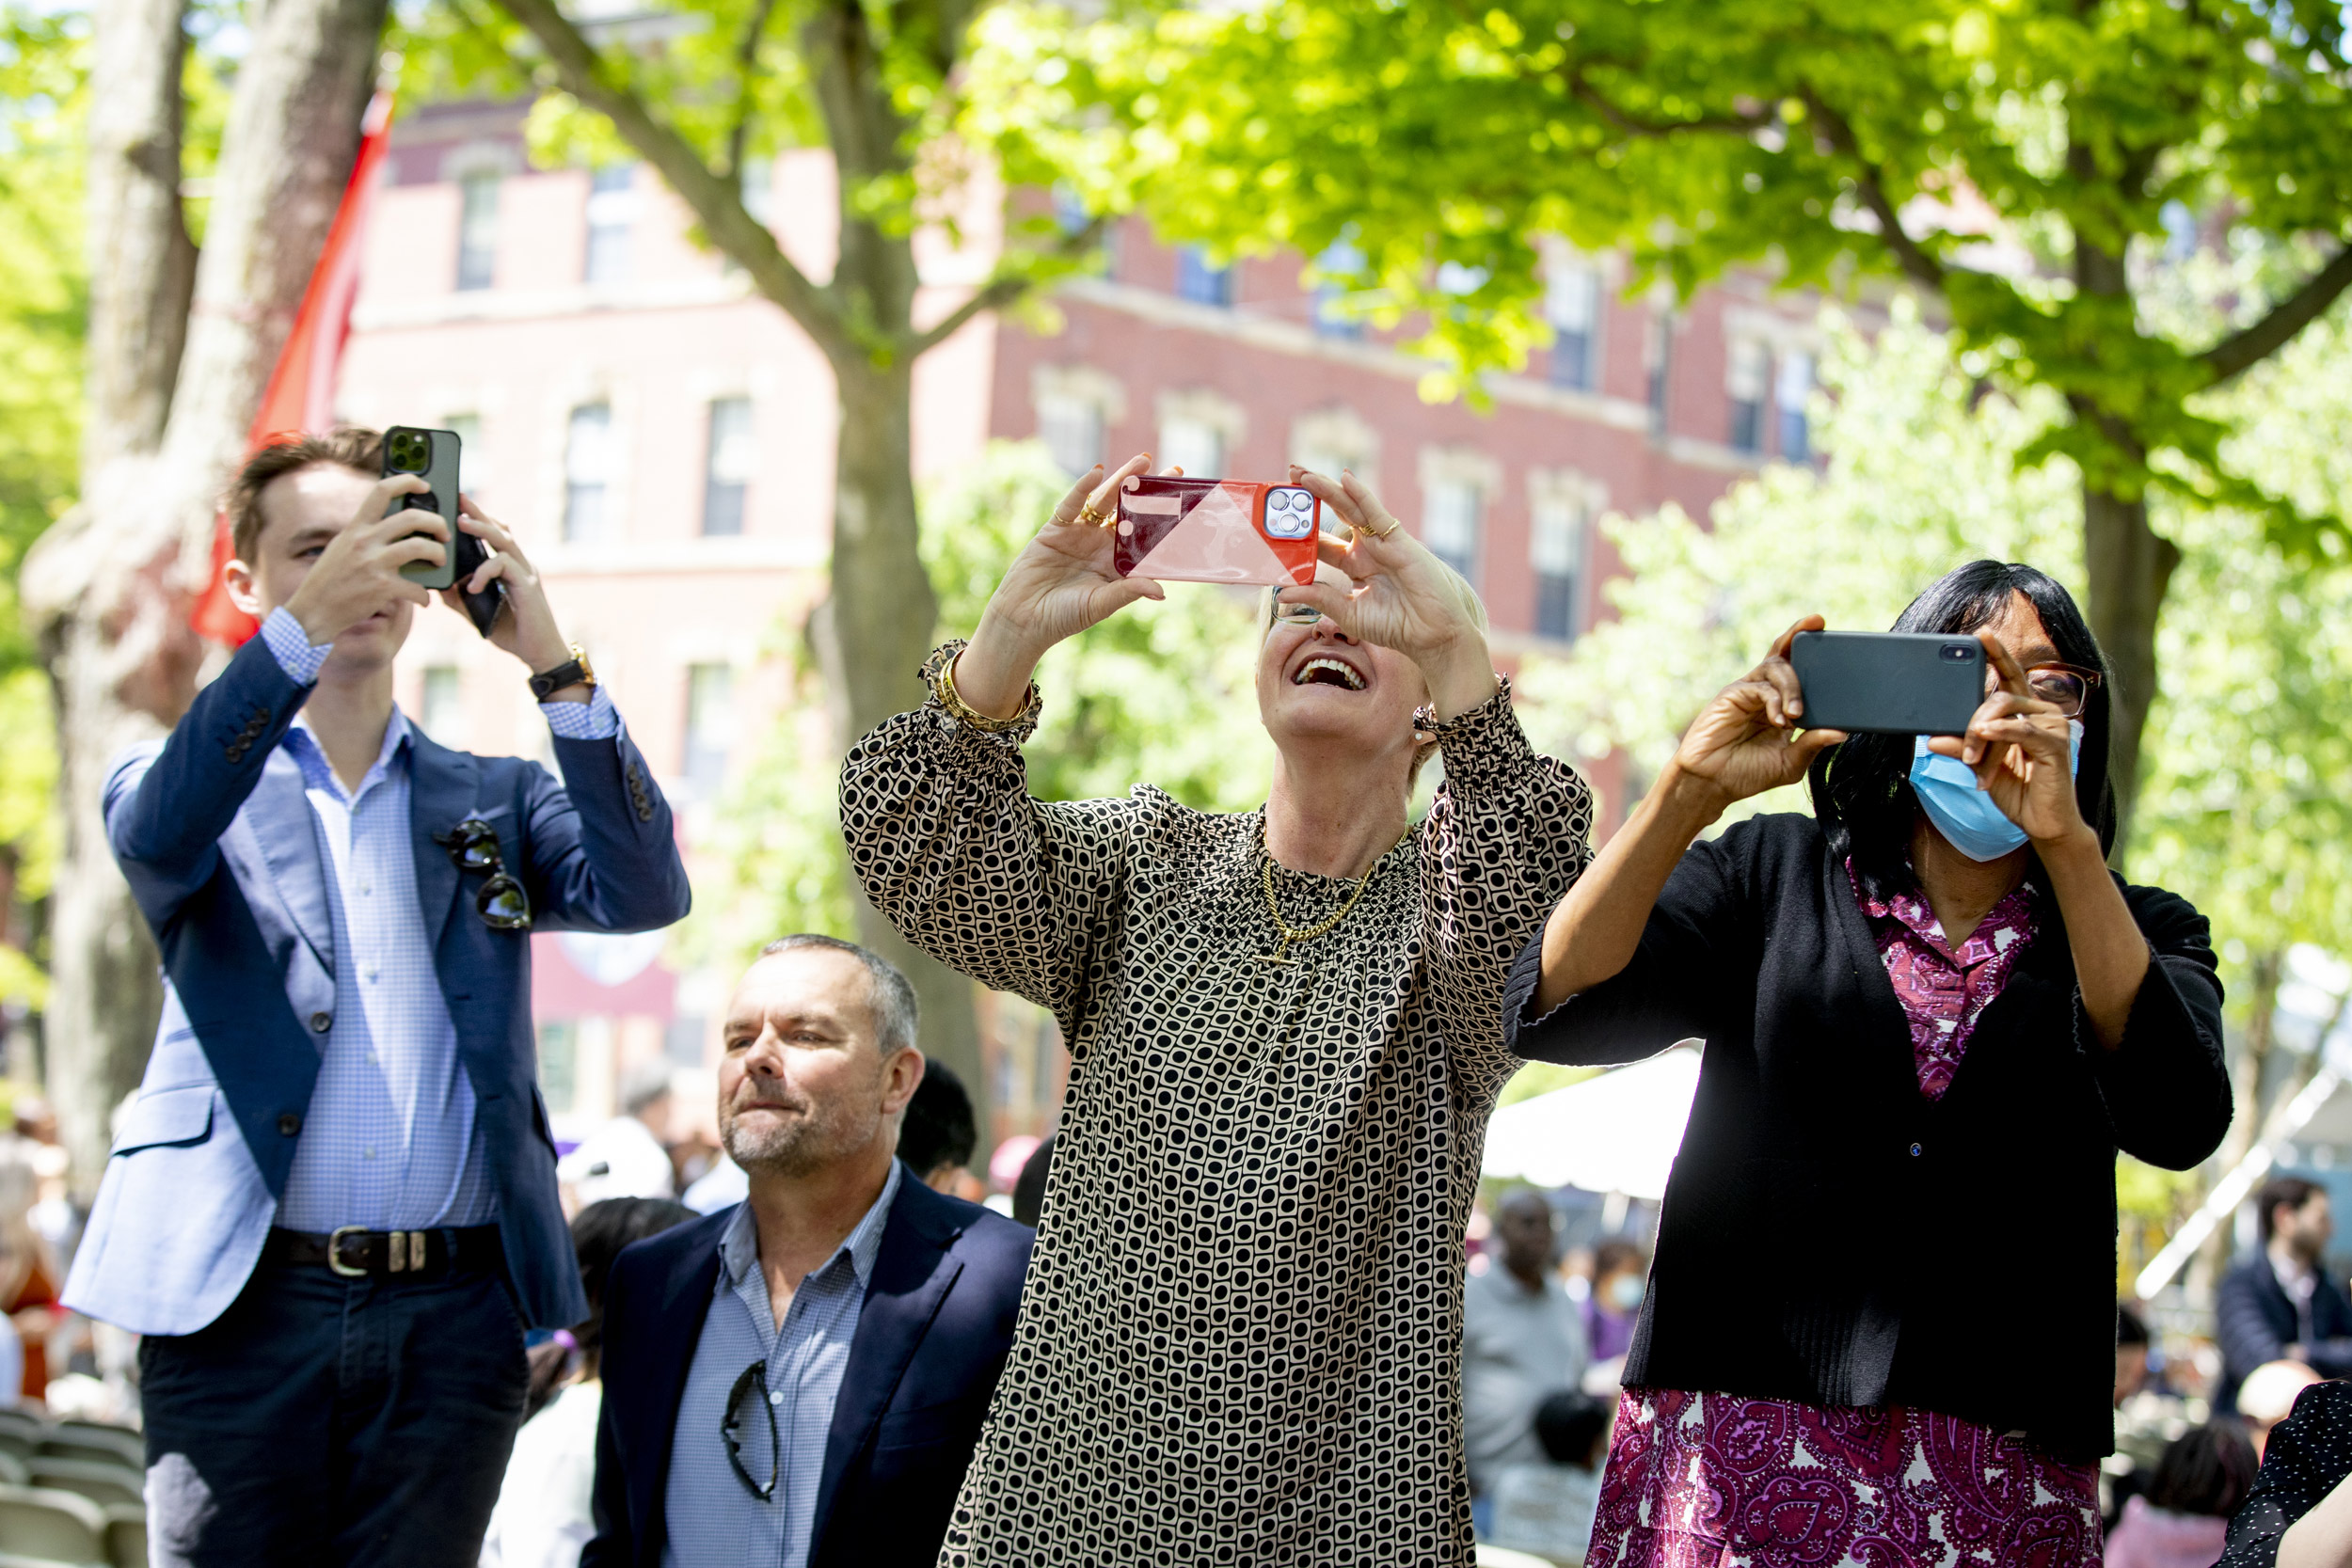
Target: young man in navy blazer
pixel 332 1208
pixel 799 1381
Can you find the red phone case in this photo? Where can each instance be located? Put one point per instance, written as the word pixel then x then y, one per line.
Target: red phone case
pixel 1177 530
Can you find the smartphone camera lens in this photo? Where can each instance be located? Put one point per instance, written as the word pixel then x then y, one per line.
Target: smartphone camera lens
pixel 1959 653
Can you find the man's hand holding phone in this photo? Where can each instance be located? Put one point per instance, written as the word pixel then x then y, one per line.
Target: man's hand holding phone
pixel 358 574
pixel 526 627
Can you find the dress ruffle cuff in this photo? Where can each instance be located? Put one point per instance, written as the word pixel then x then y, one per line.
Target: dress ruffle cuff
pixel 1484 746
pixel 956 716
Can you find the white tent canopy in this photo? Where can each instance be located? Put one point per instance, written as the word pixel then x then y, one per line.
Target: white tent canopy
pixel 1614 1133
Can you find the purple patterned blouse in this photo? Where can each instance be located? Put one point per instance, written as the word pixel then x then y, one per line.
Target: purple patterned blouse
pixel 1944 992
pixel 1719 1481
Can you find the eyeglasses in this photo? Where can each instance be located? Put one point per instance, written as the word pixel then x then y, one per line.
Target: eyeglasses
pixel 473 847
pixel 1296 614
pixel 2064 687
pixel 753 1381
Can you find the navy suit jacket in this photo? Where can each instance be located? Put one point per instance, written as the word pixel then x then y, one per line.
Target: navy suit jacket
pixel 2257 1321
pixel 932 1337
pixel 216 836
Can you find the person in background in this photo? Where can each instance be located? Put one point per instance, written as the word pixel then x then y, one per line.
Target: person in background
pixel 2184 1519
pixel 2298 1513
pixel 936 1139
pixel 28 1282
pixel 1545 1507
pixel 2268 1394
pixel 630 1155
pixel 1521 1342
pixel 545 1512
pixel 798 1382
pixel 332 1211
pixel 1613 1306
pixel 1028 1194
pixel 2280 1304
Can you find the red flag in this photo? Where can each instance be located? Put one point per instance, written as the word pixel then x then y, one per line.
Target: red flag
pixel 301 393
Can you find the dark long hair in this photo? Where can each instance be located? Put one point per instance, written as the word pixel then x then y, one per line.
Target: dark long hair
pixel 599 1233
pixel 1862 788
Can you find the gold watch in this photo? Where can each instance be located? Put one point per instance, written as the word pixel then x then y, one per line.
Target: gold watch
pixel 574 670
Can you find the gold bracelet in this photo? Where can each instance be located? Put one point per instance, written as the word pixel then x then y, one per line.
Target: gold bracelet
pixel 942 672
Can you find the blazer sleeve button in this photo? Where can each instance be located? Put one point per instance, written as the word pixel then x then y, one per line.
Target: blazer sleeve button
pixel 288 1124
pixel 322 1022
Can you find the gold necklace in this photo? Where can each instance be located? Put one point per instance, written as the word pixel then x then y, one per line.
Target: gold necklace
pixel 1287 936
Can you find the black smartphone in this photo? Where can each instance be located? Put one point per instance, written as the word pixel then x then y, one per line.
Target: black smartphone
pixel 1888 682
pixel 434 454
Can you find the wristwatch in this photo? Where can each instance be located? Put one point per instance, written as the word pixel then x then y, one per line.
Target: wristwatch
pixel 572 672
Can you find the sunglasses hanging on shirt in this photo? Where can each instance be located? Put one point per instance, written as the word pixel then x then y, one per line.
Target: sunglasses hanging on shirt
pixel 474 848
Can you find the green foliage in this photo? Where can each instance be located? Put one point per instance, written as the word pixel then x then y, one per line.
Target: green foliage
pixel 28 816
pixel 2242 812
pixel 2031 148
pixel 44 288
pixel 1161 693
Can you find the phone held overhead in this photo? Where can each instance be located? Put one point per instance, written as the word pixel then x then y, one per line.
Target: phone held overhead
pixel 1888 682
pixel 1173 528
pixel 433 455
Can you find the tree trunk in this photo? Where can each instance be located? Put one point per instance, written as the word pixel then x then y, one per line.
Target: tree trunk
pixel 2248 1067
pixel 173 388
pixel 2129 567
pixel 871 638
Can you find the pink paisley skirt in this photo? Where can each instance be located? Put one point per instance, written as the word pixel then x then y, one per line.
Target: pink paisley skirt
pixel 1713 1481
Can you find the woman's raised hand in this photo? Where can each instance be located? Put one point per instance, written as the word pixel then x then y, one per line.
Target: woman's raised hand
pixel 2022 751
pixel 1746 740
pixel 1400 596
pixel 1062 582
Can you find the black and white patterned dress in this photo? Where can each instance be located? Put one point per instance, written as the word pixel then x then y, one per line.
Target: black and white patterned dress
pixel 1241 1338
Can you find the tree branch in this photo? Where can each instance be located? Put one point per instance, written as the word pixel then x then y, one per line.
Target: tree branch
pixel 1633 125
pixel 998 294
pixel 2243 350
pixel 1917 264
pixel 715 201
pixel 746 53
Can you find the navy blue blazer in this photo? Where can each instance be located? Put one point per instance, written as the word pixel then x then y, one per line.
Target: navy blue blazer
pixel 215 833
pixel 2257 1321
pixel 932 1337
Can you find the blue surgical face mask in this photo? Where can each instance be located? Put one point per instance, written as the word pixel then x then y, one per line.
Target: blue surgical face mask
pixel 1964 814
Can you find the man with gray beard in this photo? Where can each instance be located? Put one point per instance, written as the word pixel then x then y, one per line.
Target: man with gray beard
pixel 799 1379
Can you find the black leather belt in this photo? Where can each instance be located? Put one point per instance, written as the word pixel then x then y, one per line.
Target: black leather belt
pixel 354 1253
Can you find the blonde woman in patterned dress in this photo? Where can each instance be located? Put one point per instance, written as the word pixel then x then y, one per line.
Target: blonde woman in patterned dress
pixel 1241 1338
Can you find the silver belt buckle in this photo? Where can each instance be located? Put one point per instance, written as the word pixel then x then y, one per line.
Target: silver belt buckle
pixel 334 1251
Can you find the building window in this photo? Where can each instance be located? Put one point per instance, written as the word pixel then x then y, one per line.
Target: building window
pixel 1743 384
pixel 1329 440
pixel 1572 306
pixel 473 459
pixel 1071 424
pixel 1556 547
pixel 611 211
pixel 587 475
pixel 727 466
pixel 1341 268
pixel 1657 354
pixel 1199 281
pixel 477 230
pixel 1790 394
pixel 1451 521
pixel 559 1065
pixel 709 724
pixel 1193 444
pixel 442 711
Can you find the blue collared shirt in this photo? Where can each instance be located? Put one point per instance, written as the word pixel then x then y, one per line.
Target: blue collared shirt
pixel 713 1519
pixel 388 1140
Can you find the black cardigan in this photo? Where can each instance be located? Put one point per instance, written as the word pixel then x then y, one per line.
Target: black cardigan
pixel 1830 1235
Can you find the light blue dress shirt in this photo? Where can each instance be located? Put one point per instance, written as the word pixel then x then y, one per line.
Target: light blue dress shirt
pixel 388 1140
pixel 713 1520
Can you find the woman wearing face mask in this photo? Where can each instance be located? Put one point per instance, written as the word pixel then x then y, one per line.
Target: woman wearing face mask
pixel 1241 1338
pixel 1931 1017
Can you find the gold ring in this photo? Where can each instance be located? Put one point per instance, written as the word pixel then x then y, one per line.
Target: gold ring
pixel 1088 515
pixel 1383 534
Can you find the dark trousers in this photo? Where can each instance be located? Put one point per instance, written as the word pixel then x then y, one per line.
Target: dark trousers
pixel 321 1420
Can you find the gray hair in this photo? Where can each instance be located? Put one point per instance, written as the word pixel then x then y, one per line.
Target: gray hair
pixel 643 1085
pixel 897 1014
